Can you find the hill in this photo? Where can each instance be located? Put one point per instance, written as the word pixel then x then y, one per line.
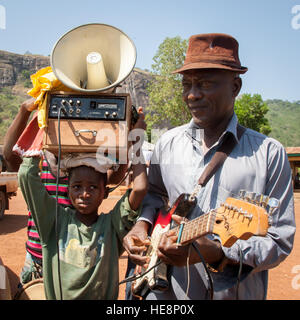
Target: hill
pixel 15 71
pixel 284 118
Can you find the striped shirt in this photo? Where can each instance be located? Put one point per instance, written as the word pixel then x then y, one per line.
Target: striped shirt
pixel 33 244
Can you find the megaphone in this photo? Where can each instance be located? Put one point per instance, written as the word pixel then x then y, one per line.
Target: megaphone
pixel 91 60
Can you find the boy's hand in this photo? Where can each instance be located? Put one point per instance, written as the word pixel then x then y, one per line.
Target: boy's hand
pixel 29 105
pixel 140 124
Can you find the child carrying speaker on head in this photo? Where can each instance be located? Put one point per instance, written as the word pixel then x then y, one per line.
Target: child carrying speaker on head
pixel 89 244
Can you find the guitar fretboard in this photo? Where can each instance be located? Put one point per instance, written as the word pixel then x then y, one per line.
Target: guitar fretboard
pixel 197 228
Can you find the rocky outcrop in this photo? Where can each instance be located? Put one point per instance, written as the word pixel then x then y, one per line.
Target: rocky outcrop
pixel 136 84
pixel 12 65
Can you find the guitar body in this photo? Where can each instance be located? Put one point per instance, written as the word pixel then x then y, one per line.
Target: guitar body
pixel 156 278
pixel 237 218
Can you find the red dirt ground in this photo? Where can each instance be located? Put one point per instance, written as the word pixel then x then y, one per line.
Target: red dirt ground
pixel 284 282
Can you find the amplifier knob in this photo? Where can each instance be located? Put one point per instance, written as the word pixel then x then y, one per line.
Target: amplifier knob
pixel 71 102
pixel 63 101
pixel 78 102
pixel 106 114
pixel 114 114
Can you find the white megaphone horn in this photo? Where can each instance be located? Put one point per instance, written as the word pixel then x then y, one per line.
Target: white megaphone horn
pixel 93 58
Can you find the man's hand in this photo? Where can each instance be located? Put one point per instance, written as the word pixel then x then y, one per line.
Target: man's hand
pixel 136 243
pixel 172 253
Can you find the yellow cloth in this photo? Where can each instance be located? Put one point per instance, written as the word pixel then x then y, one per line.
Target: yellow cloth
pixel 44 81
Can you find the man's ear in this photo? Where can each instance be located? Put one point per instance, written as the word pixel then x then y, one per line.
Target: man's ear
pixel 106 192
pixel 237 85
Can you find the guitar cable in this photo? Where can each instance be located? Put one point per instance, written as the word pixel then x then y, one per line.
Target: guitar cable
pixel 135 277
pixel 188 273
pixel 241 256
pixel 208 276
pixel 61 108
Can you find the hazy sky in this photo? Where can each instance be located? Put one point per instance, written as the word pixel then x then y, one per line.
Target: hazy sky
pixel 268 31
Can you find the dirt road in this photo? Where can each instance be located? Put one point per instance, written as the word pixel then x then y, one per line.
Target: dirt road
pixel 284 281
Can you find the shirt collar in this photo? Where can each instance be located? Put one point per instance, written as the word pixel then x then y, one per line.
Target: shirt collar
pixel 196 133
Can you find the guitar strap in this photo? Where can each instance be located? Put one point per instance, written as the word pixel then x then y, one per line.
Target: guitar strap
pixel 220 156
pixel 218 159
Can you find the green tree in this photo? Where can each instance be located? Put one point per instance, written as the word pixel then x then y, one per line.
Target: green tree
pixel 25 78
pixel 166 107
pixel 251 112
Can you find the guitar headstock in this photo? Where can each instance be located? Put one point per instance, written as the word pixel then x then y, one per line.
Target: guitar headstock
pixel 244 217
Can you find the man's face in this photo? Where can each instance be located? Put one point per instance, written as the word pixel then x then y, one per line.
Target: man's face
pixel 209 95
pixel 86 189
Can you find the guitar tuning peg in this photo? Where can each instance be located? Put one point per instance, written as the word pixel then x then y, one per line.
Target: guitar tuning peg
pixel 242 194
pixel 258 199
pixel 250 196
pixel 273 204
pixel 264 201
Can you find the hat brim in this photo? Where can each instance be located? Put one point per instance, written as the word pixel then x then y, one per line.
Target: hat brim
pixel 206 65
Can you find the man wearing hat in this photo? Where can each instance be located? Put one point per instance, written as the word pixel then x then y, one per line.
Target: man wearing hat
pixel 211 82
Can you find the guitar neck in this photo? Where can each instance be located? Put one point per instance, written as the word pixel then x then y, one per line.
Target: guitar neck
pixel 197 228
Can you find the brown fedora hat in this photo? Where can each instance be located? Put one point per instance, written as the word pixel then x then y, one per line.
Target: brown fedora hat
pixel 212 51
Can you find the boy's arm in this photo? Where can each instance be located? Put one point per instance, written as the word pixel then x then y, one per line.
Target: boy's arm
pixel 41 205
pixel 13 133
pixel 140 185
pixel 139 176
pixel 128 209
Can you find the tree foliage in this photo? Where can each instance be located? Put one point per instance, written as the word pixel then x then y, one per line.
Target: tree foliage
pixel 166 107
pixel 9 106
pixel 251 112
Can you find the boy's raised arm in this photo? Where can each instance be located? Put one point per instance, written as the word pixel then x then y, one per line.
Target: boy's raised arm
pixel 140 186
pixel 140 181
pixel 41 205
pixel 13 133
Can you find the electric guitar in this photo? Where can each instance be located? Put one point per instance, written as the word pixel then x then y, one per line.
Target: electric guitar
pixel 237 218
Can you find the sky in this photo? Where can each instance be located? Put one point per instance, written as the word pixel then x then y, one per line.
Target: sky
pixel 268 31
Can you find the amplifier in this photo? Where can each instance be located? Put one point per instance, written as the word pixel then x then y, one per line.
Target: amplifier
pixel 88 122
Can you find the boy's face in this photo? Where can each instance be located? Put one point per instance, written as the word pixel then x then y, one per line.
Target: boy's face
pixel 86 189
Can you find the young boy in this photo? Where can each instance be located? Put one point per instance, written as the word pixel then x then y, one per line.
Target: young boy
pixel 33 268
pixel 89 244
